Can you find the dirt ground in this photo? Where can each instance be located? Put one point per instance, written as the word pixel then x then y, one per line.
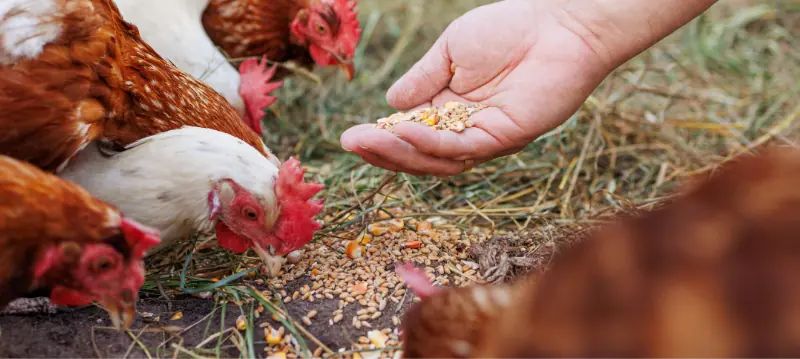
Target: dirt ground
pixel 68 333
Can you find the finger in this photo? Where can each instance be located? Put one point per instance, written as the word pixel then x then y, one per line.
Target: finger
pixel 472 143
pixel 425 79
pixel 381 162
pixel 397 152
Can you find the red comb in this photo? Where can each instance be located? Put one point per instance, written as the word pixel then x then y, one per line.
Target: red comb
pixel 350 32
pixel 296 225
pixel 139 237
pixel 255 89
pixel 416 279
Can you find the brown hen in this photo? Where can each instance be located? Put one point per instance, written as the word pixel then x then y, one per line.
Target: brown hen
pixel 59 240
pixel 321 32
pixel 73 71
pixel 711 274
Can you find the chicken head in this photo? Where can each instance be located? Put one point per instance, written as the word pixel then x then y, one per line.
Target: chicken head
pixel 109 272
pixel 330 30
pixel 273 230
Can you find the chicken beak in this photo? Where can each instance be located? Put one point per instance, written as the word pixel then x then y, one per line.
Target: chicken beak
pixel 121 313
pixel 349 70
pixel 272 262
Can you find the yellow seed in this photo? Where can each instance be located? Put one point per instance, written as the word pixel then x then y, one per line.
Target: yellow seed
pixel 354 250
pixel 396 224
pixel 377 229
pixel 177 316
pixel 241 323
pixel 432 121
pixel 272 336
pixel 377 338
pixel 312 314
pixel 338 318
pixel 306 321
pixel 365 239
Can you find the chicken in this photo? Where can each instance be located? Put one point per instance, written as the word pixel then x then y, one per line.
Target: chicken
pixel 91 78
pixel 179 37
pixel 59 240
pixel 450 320
pixel 321 32
pixel 72 72
pixel 210 181
pixel 711 274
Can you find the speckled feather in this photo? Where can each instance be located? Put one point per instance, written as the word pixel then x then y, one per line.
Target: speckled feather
pixel 256 27
pixel 99 80
pixel 38 209
pixel 711 274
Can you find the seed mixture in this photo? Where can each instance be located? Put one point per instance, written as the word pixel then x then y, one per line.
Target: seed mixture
pixel 358 273
pixel 453 116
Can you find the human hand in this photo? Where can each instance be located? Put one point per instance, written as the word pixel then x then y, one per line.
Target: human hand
pixel 514 56
pixel 533 62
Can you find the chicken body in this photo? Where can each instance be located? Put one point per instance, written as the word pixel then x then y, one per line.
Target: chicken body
pixel 308 32
pixel 58 239
pixel 711 274
pixel 203 185
pixel 173 29
pixel 175 32
pixel 72 72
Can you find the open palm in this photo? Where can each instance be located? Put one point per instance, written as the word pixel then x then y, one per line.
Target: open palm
pixel 524 60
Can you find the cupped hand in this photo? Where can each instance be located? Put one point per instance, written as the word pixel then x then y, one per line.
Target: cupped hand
pixel 525 59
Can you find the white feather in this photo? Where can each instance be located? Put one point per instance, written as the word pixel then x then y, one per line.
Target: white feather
pixel 26 26
pixel 163 180
pixel 174 30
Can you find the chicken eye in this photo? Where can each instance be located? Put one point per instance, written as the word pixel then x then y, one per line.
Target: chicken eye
pixel 321 29
pixel 102 264
pixel 250 214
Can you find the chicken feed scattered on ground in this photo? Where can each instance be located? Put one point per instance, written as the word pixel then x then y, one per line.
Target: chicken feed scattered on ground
pixel 358 273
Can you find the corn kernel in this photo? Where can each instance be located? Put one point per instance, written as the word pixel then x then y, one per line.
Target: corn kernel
pixel 360 288
pixel 241 323
pixel 396 224
pixel 432 121
pixel 412 244
pixel 377 338
pixel 365 239
pixel 177 316
pixel 377 229
pixel 272 336
pixel 354 250
pixel 450 105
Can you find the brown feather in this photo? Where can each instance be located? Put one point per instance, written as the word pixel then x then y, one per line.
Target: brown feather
pixel 245 28
pixel 711 274
pixel 38 210
pixel 99 80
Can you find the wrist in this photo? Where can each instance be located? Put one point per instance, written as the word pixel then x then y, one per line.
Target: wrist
pixel 618 30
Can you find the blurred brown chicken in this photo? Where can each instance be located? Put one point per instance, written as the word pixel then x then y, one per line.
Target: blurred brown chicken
pixel 711 274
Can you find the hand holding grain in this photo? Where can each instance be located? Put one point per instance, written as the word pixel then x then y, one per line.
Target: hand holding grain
pixel 512 56
pixel 532 62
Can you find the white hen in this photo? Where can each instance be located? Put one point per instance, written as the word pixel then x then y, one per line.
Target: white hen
pixel 201 180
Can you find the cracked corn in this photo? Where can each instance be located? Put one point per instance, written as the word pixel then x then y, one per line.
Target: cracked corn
pixel 453 116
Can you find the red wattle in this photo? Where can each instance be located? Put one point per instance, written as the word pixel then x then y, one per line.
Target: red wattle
pixel 230 240
pixel 68 297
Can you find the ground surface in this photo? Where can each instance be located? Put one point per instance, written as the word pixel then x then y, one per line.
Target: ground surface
pixel 721 86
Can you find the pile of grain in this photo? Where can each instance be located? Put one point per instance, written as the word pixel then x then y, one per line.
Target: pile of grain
pixel 453 116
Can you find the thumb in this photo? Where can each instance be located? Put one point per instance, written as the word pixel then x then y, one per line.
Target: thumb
pixel 429 76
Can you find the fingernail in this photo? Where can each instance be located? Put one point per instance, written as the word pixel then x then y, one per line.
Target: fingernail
pixel 364 147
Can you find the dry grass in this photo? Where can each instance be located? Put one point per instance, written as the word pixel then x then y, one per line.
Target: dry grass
pixel 719 87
